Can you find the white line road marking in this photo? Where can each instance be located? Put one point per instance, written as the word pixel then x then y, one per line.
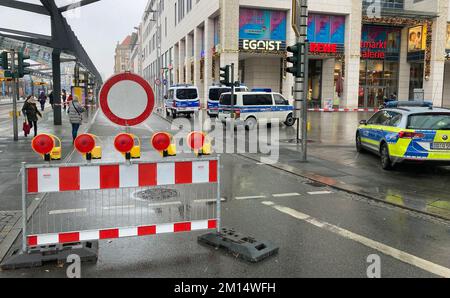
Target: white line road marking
pixel 67 211
pixel 314 193
pixel 250 198
pixel 165 204
pixel 383 248
pixel 119 207
pixel 148 127
pixel 285 195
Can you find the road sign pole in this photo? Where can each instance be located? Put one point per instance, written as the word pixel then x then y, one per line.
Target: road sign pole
pixel 15 95
pixel 232 91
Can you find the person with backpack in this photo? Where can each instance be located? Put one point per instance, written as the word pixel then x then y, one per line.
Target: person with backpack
pixel 75 116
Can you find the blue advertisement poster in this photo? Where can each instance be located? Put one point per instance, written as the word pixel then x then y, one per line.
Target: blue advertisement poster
pixel 257 24
pixel 326 29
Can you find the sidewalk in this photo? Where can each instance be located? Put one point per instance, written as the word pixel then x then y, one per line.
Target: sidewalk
pixel 12 154
pixel 416 188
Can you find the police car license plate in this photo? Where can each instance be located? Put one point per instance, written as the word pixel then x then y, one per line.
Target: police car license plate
pixel 440 146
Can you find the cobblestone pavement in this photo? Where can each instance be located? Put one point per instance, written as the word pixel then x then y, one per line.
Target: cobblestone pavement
pixel 7 221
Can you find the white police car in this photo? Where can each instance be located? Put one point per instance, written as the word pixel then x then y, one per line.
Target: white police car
pixel 253 107
pixel 182 99
pixel 214 93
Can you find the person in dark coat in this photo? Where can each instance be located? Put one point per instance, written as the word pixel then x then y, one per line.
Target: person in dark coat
pixel 64 98
pixel 51 99
pixel 42 100
pixel 31 113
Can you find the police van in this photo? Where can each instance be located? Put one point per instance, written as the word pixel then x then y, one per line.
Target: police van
pixel 253 107
pixel 214 93
pixel 182 99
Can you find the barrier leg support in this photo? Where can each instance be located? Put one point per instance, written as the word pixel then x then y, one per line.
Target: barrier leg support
pixel 53 254
pixel 244 247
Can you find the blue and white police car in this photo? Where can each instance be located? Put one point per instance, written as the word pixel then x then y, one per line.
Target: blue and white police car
pixel 250 108
pixel 182 99
pixel 214 93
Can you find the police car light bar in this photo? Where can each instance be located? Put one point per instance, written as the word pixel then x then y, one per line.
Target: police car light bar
pixel 410 104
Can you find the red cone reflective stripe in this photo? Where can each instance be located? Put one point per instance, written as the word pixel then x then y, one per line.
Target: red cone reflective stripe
pixel 147 231
pixel 109 234
pixel 183 172
pixel 182 227
pixel 147 175
pixel 83 236
pixel 32 180
pixel 109 177
pixel 69 237
pixel 69 179
pixel 213 171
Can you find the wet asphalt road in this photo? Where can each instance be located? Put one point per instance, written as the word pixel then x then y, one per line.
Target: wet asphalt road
pixel 321 232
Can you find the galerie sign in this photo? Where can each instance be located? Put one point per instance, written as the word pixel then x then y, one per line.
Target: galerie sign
pixel 262 45
pixel 373 50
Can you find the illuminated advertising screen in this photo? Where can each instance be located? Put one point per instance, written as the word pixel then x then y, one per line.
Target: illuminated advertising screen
pixel 448 37
pixel 259 24
pixel 417 39
pixel 262 30
pixel 380 42
pixel 326 29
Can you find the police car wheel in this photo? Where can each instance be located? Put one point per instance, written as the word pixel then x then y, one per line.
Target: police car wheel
pixel 359 146
pixel 290 121
pixel 189 115
pixel 386 162
pixel 250 123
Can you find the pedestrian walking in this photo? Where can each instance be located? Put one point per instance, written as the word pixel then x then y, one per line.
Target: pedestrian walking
pixel 64 98
pixel 75 116
pixel 42 100
pixel 51 99
pixel 31 113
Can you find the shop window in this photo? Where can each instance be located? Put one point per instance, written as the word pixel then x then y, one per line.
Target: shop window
pixel 416 78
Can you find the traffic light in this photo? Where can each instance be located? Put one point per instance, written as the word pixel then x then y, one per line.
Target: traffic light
pixel 22 65
pixel 296 69
pixel 4 60
pixel 225 76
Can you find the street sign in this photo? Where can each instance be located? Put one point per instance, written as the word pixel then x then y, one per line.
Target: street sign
pixel 157 82
pixel 127 99
pixel 296 11
pixel 165 82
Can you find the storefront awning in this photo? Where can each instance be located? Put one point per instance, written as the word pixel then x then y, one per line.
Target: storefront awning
pixel 408 14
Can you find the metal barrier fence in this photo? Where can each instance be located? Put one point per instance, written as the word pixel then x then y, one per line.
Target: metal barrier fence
pixel 89 202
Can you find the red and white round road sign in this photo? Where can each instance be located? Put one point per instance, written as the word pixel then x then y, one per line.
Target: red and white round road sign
pixel 127 99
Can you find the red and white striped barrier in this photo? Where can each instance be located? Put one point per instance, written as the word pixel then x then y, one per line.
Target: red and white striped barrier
pixel 345 110
pixel 117 233
pixel 191 179
pixel 116 176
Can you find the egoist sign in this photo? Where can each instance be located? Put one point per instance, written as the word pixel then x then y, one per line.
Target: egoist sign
pixel 262 45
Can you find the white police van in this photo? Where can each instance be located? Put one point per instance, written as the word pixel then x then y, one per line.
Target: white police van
pixel 253 107
pixel 182 99
pixel 214 93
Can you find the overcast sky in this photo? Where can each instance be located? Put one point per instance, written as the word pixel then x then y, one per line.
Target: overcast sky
pixel 99 26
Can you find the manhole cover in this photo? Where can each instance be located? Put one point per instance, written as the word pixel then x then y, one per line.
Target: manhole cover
pixel 157 194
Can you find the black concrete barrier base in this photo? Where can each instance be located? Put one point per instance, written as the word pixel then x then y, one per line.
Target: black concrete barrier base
pixel 54 254
pixel 244 247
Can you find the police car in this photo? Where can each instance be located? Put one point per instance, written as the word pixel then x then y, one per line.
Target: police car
pixel 214 93
pixel 182 99
pixel 253 107
pixel 407 132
